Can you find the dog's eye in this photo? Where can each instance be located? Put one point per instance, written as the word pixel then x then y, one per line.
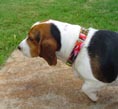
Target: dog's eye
pixel 29 38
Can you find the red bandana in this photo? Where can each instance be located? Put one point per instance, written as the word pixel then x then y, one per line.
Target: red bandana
pixel 77 47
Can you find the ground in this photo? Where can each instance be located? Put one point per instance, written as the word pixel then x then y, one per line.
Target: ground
pixel 27 83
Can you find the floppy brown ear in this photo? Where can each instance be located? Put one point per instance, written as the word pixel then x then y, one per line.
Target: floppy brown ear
pixel 48 49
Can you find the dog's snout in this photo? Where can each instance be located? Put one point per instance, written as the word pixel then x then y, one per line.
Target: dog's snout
pixel 19 47
pixel 24 48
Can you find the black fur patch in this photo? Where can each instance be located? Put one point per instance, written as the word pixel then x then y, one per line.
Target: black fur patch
pixel 56 34
pixel 104 45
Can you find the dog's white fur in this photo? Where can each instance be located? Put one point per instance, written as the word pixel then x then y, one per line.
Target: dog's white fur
pixel 82 67
pixel 25 48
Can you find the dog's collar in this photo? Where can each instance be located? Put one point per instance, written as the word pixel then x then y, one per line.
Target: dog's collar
pixel 78 45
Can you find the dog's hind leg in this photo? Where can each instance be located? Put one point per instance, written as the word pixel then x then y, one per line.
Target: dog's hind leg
pixel 90 88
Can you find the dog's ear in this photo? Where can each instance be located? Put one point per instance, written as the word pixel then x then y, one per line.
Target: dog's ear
pixel 48 50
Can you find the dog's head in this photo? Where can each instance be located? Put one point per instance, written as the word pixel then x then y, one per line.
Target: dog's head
pixel 43 40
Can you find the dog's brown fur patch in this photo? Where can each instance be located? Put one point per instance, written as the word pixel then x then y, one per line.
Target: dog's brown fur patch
pixel 95 65
pixel 47 45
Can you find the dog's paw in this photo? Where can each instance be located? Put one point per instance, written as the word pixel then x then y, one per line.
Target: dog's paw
pixel 93 97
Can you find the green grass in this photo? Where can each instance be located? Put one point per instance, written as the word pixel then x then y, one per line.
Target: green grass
pixel 16 17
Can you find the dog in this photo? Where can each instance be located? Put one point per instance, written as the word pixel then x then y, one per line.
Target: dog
pixel 92 53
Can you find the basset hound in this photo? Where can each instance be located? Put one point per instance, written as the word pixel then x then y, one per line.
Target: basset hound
pixel 92 53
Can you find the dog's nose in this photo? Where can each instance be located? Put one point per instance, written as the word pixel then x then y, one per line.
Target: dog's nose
pixel 19 47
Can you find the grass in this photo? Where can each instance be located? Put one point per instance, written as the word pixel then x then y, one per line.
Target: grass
pixel 17 16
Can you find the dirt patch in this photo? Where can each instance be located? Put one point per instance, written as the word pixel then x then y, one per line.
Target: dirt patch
pixel 31 84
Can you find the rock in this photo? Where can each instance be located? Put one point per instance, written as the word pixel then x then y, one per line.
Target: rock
pixel 29 83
